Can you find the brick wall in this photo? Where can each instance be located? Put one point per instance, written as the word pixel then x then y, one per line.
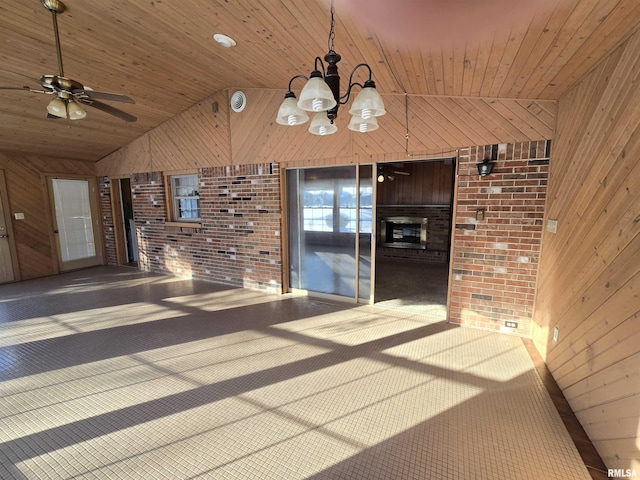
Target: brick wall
pixel 495 259
pixel 239 241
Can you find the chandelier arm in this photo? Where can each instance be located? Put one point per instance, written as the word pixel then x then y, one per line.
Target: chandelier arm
pixel 297 76
pixel 345 98
pixel 315 67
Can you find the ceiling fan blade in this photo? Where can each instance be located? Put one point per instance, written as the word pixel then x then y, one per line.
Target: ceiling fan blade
pixel 111 110
pixel 113 97
pixel 25 89
pixel 400 172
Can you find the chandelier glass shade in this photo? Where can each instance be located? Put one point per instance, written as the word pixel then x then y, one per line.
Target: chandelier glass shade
pixel 321 95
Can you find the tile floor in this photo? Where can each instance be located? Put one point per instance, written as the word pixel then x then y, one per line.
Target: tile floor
pixel 114 374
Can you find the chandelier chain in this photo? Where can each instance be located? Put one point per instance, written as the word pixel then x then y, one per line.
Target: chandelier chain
pixel 332 33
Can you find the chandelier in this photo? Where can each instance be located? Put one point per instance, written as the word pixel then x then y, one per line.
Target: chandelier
pixel 321 95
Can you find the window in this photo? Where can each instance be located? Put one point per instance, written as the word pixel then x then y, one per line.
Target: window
pixel 185 198
pixel 330 205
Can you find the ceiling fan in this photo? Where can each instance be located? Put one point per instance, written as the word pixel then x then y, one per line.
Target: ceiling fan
pixel 70 96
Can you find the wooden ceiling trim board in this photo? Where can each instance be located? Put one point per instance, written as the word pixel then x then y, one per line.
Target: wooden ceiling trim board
pixel 599 44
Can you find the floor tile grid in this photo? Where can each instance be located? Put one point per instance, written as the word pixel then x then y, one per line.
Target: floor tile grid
pixel 299 424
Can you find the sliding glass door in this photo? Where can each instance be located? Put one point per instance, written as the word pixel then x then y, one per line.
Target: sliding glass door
pixel 330 212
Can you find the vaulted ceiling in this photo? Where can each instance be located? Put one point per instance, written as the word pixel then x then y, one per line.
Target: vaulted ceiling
pixel 162 54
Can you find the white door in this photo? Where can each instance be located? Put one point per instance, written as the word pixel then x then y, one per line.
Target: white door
pixel 6 267
pixel 76 222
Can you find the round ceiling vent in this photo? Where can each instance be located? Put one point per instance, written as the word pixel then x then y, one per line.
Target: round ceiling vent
pixel 238 101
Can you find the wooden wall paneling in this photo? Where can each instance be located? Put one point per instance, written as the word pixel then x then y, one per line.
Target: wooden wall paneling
pixel 255 135
pixel 605 242
pixel 611 369
pixel 471 120
pixel 589 277
pixel 8 222
pixel 391 136
pixel 436 115
pixel 613 144
pixel 28 195
pixel 195 138
pixel 613 310
pixel 572 136
pixel 132 158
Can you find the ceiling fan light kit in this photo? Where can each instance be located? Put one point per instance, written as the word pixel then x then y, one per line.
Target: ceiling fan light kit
pixel 57 108
pixel 70 97
pixel 321 95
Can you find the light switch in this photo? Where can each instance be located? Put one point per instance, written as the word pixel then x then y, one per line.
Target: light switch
pixel 19 216
pixel 552 226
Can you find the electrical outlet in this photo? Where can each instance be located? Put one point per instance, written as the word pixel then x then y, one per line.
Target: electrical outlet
pixel 18 216
pixel 511 324
pixel 556 334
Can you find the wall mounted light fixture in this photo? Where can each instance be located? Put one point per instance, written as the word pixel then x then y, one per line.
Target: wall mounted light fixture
pixel 484 167
pixel 321 95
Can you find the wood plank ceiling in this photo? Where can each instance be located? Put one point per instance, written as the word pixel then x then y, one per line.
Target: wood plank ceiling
pixel 164 57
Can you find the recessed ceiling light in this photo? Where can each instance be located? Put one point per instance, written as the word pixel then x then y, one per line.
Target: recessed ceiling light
pixel 226 42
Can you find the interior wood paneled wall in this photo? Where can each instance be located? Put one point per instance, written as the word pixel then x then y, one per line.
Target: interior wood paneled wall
pixel 436 127
pixel 196 138
pixel 428 183
pixel 589 277
pixel 27 194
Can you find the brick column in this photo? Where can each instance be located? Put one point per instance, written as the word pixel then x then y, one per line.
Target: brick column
pixel 497 234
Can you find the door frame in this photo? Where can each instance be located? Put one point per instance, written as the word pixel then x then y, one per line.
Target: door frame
pixel 4 197
pixel 94 205
pixel 285 223
pixel 117 214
